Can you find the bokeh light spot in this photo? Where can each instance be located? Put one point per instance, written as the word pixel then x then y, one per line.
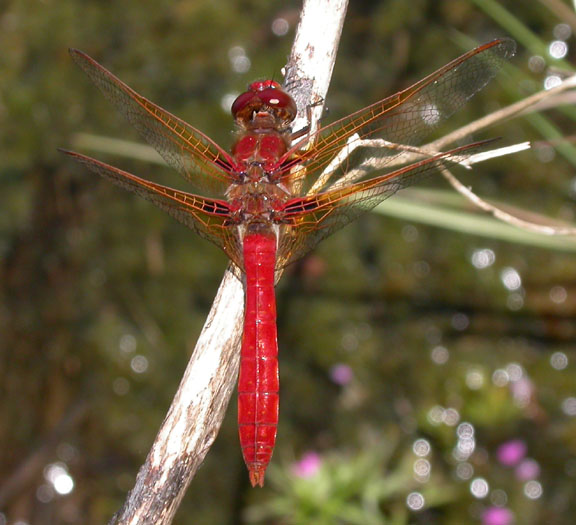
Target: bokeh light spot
pixel 533 489
pixel 559 360
pixel 479 488
pixel 421 447
pixel 415 501
pixel 280 26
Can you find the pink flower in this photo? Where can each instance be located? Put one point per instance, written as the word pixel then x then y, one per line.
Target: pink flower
pixel 341 374
pixel 497 516
pixel 308 466
pixel 527 470
pixel 511 452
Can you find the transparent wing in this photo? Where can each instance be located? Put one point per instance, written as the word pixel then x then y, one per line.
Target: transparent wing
pixel 310 219
pixel 193 154
pixel 406 117
pixel 209 218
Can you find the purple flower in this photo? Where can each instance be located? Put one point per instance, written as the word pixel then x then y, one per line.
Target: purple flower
pixel 497 516
pixel 341 374
pixel 527 470
pixel 308 466
pixel 511 452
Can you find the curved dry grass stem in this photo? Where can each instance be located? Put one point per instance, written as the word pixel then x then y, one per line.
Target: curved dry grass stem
pixel 547 226
pixel 504 216
pixel 543 99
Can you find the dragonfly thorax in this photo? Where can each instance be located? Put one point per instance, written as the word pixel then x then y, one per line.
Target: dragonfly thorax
pixel 259 151
pixel 256 202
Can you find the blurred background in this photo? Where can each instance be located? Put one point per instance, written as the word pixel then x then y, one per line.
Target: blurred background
pixel 427 373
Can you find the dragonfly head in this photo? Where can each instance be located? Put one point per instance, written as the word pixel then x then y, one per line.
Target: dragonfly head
pixel 264 100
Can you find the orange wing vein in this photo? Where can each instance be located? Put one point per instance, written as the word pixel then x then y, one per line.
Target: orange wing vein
pixel 209 218
pixel 192 153
pixel 408 116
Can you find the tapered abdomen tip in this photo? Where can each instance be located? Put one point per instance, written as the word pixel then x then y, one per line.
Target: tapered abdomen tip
pixel 257 477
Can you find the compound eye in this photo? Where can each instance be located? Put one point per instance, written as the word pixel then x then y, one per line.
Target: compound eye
pixel 274 97
pixel 266 95
pixel 242 102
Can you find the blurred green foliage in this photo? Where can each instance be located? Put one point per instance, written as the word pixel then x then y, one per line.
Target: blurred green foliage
pixel 96 284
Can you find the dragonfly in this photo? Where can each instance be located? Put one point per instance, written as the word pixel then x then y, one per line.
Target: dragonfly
pixel 278 192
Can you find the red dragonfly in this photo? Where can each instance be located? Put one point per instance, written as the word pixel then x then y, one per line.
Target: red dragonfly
pixel 273 198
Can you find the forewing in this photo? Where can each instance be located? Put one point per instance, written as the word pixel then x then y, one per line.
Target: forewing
pixel 408 116
pixel 310 219
pixel 188 150
pixel 209 218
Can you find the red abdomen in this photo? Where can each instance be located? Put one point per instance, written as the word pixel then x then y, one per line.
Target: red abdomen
pixel 258 382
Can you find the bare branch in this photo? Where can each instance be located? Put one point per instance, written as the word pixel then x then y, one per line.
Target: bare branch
pixel 312 58
pixel 495 153
pixel 195 415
